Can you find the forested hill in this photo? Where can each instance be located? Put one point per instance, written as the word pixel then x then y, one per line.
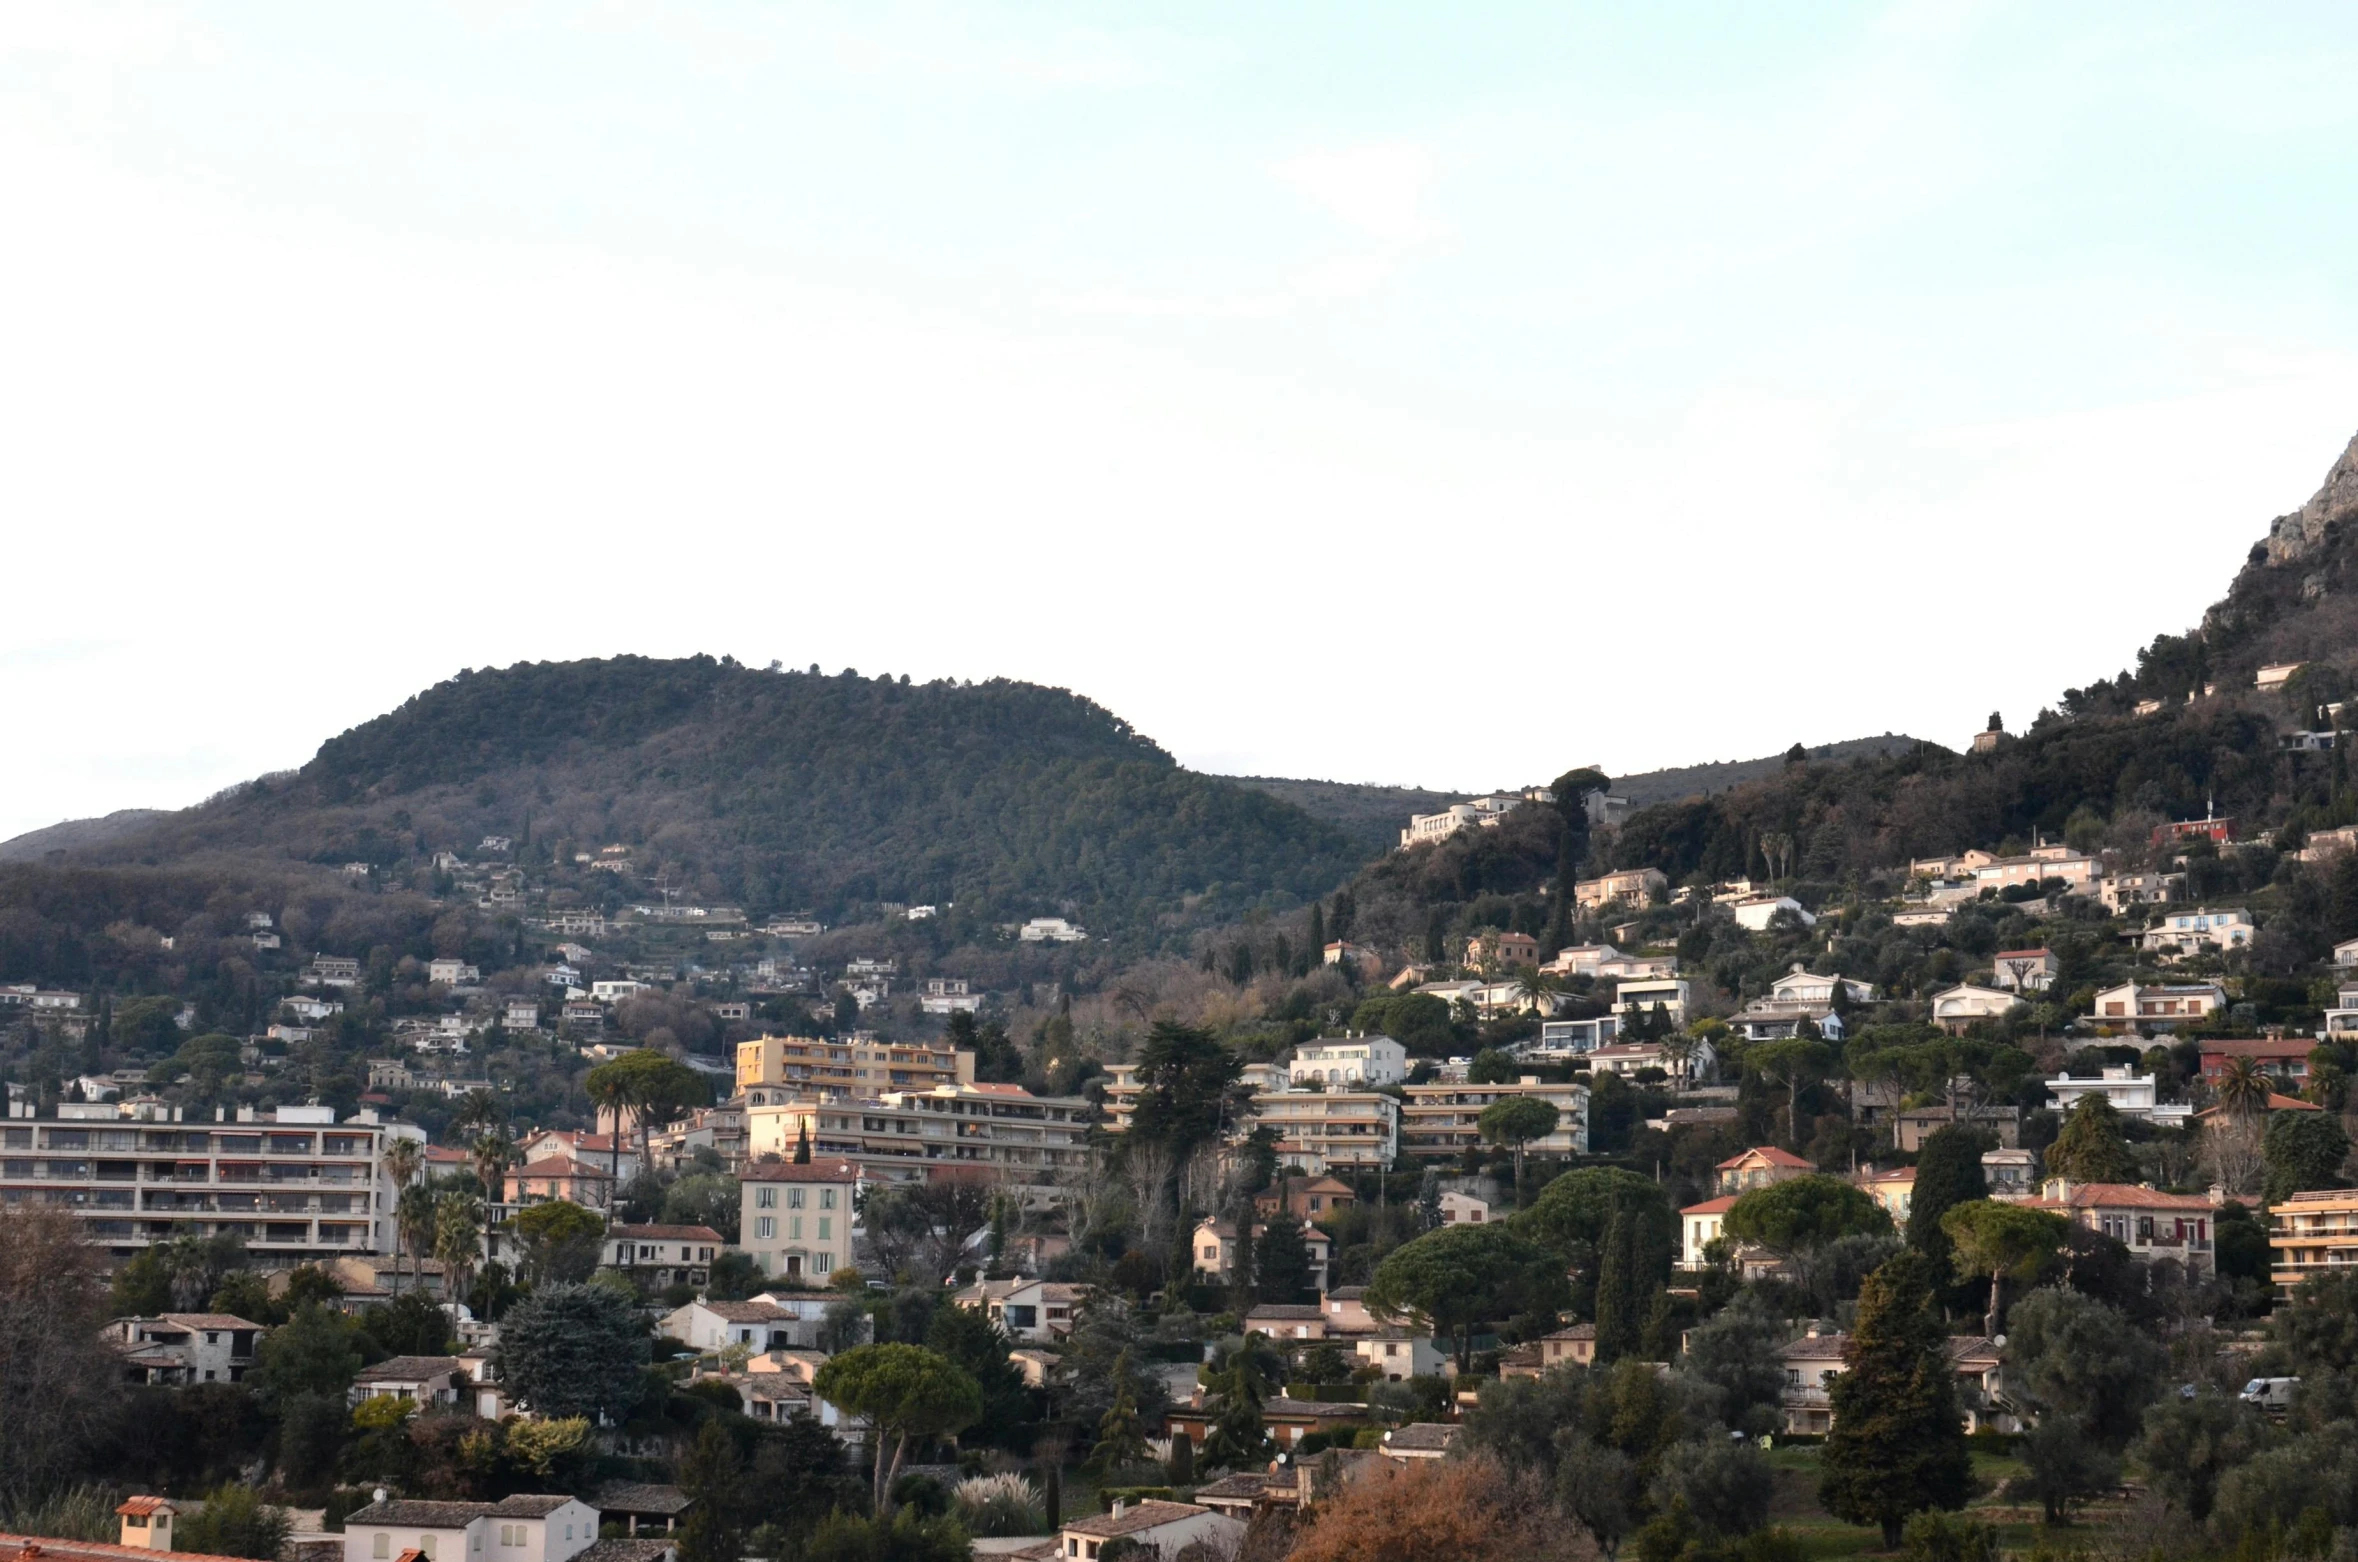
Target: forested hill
pixel 2187 728
pixel 783 791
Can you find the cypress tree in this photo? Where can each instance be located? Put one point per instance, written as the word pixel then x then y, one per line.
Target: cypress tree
pixel 1317 933
pixel 1948 1173
pixel 1898 1443
pixel 802 1145
pixel 1621 1312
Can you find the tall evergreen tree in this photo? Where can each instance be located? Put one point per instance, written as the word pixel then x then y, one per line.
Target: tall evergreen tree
pixel 802 1144
pixel 1621 1287
pixel 1897 1445
pixel 1948 1173
pixel 1317 933
pixel 1282 1267
pixel 2090 1147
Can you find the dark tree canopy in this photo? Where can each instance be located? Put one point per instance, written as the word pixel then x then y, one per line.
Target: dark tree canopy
pixel 572 1350
pixel 1898 1443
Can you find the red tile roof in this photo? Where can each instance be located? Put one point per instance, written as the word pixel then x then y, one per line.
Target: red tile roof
pixel 664 1234
pixel 1718 1206
pixel 789 1171
pixel 1771 1154
pixel 2121 1195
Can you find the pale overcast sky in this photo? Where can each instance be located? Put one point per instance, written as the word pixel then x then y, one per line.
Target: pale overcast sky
pixel 1432 394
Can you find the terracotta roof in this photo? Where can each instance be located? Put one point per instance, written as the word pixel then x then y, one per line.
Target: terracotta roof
pixel 44 1548
pixel 561 1166
pixel 1149 1514
pixel 418 1515
pixel 526 1505
pixel 744 1312
pixel 1578 1331
pixel 1002 1090
pixel 209 1321
pixel 1286 1311
pixel 1816 1347
pixel 1718 1206
pixel 2121 1195
pixel 2276 1103
pixel 1346 1293
pixel 140 1507
pixel 2020 954
pixel 1417 1435
pixel 1323 1408
pixel 1769 1153
pixel 409 1369
pixel 629 1550
pixel 2262 1047
pixel 665 1234
pixel 788 1171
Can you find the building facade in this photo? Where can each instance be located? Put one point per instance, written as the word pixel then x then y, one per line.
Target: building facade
pixel 296 1185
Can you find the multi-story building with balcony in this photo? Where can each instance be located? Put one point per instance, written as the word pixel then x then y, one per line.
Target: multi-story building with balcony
pixel 1320 1131
pixel 295 1184
pixel 846 1067
pixel 1441 1120
pixel 1024 1142
pixel 2313 1233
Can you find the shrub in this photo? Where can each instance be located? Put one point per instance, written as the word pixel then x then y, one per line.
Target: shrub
pixel 999 1505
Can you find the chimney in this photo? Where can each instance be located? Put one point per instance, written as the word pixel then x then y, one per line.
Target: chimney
pixel 1118 1506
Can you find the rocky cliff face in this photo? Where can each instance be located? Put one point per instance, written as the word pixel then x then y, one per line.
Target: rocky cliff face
pixel 2296 535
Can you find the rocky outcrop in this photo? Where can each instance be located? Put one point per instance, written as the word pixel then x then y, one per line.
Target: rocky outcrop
pixel 2298 534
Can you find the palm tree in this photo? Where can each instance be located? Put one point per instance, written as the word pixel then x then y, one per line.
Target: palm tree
pixel 458 1240
pixel 402 1160
pixel 413 1218
pixel 493 1152
pixel 480 1109
pixel 1678 1050
pixel 2242 1088
pixel 1535 985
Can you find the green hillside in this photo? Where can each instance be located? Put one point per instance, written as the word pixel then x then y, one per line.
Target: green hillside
pixel 783 791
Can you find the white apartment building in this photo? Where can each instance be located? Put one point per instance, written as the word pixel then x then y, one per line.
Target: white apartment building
pixel 1670 993
pixel 1359 1060
pixel 1024 1141
pixel 2183 933
pixel 1319 1131
pixel 1442 1120
pixel 2136 1006
pixel 2132 1095
pixel 295 1184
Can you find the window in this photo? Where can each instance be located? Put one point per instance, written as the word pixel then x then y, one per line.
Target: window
pixel 765 1198
pixel 794 1228
pixel 794 1198
pixel 826 1263
pixel 382 1547
pixel 765 1227
pixel 826 1228
pixel 826 1198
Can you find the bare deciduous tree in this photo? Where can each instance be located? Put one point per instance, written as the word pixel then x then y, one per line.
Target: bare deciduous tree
pixel 59 1383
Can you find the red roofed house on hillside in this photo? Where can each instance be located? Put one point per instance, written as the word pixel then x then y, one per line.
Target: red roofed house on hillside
pixel 1758 1167
pixel 795 1218
pixel 2285 1060
pixel 560 1177
pixel 2151 1223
